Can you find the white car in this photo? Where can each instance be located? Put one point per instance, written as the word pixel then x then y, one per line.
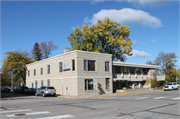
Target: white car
pixel 171 86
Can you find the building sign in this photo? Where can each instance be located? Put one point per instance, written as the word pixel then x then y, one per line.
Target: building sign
pixel 66 67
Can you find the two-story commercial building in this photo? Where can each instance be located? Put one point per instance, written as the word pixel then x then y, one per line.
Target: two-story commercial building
pixel 71 73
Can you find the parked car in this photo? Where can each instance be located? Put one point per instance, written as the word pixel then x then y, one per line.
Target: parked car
pixel 30 91
pixel 46 90
pixel 5 89
pixel 171 86
pixel 176 85
pixel 20 89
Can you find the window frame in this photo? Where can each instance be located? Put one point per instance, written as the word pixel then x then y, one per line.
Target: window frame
pixel 124 70
pixel 137 70
pixel 118 70
pixel 36 84
pixel 42 83
pixel 106 66
pixel 60 66
pixel 87 86
pixel 73 65
pixel 108 87
pixel 28 73
pixel 133 69
pixel 48 82
pixel 48 69
pixel 41 71
pixel 87 65
pixel 34 72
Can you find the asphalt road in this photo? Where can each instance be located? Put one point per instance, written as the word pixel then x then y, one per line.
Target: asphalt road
pixel 159 105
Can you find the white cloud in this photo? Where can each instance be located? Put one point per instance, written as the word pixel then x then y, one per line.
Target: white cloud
pixel 138 54
pixel 134 41
pixel 153 40
pixel 72 28
pixel 148 2
pixel 126 16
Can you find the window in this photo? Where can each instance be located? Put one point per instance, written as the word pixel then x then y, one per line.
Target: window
pixel 132 70
pixel 106 66
pixel 145 71
pixel 41 71
pixel 41 82
pixel 35 84
pixel 89 65
pixel 125 70
pixel 138 71
pixel 48 67
pixel 88 84
pixel 107 83
pixel 117 70
pixel 28 73
pixel 34 72
pixel 60 67
pixel 48 82
pixel 73 65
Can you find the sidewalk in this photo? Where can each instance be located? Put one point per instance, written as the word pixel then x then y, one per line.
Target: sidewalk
pixel 123 92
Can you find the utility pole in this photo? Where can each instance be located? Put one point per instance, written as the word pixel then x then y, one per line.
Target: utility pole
pixel 12 81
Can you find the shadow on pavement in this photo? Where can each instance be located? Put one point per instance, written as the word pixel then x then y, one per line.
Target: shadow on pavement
pixel 11 95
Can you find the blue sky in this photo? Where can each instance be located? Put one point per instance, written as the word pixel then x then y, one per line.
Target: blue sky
pixel 154 25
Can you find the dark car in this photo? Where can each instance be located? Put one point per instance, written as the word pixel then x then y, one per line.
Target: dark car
pixel 20 89
pixel 5 89
pixel 46 90
pixel 30 91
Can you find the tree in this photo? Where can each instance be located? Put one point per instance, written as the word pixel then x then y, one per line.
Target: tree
pixel 47 48
pixel 154 81
pixel 15 62
pixel 106 36
pixel 149 62
pixel 36 51
pixel 166 61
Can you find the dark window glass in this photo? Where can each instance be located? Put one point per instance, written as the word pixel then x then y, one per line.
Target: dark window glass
pixel 132 70
pixel 85 65
pixel 88 84
pixel 34 72
pixel 41 82
pixel 91 65
pixel 138 71
pixel 107 83
pixel 48 82
pixel 73 65
pixel 106 66
pixel 117 69
pixel 125 70
pixel 60 67
pixel 36 84
pixel 145 71
pixel 41 71
pixel 50 87
pixel 48 67
pixel 28 73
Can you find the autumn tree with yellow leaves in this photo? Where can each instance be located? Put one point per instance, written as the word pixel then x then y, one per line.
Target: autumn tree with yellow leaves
pixel 106 36
pixel 15 62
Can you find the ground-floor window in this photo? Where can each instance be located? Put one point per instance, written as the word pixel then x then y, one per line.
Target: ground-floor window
pixel 48 82
pixel 41 82
pixel 35 84
pixel 107 83
pixel 88 84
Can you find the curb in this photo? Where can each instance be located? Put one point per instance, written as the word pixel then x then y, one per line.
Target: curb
pixel 112 95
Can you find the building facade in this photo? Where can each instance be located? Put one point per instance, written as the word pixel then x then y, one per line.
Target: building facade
pixel 72 73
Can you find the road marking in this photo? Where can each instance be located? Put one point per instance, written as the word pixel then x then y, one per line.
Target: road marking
pixel 32 113
pixel 176 98
pixel 141 98
pixel 56 117
pixel 15 111
pixel 158 97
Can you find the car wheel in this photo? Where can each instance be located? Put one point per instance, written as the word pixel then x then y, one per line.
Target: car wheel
pixel 44 95
pixel 36 94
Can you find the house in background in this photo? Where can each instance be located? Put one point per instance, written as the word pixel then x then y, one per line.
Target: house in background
pixel 72 73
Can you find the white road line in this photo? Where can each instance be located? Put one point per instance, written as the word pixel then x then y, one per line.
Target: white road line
pixel 15 111
pixel 176 98
pixel 141 98
pixel 32 113
pixel 56 117
pixel 158 97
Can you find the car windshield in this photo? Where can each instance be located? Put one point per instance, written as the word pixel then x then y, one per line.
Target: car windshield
pixel 30 89
pixel 169 84
pixel 50 87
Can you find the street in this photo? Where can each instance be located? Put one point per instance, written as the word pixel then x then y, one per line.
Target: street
pixel 159 105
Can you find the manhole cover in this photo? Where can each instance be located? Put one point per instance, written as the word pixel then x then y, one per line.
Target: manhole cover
pixel 19 114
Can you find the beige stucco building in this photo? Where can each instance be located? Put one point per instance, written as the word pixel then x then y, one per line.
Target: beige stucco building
pixel 72 73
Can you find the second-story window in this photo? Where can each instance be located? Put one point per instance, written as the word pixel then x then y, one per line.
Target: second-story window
pixel 41 71
pixel 48 69
pixel 34 72
pixel 60 67
pixel 125 70
pixel 132 70
pixel 41 82
pixel 106 66
pixel 28 73
pixel 117 70
pixel 73 65
pixel 138 71
pixel 89 65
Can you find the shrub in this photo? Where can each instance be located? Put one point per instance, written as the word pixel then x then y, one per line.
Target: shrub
pixel 154 81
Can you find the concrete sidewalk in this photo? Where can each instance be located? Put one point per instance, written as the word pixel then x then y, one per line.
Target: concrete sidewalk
pixel 123 92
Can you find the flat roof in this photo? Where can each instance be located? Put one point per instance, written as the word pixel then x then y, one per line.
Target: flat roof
pixel 115 63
